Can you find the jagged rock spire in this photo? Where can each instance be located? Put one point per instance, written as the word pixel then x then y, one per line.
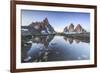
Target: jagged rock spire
pixel 78 28
pixel 71 28
pixel 42 26
pixel 66 29
pixel 45 20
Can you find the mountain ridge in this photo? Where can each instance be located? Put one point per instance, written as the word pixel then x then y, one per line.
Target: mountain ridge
pixel 71 28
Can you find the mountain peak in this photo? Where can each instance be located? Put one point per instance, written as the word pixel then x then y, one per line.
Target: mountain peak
pixel 72 25
pixel 71 28
pixel 78 28
pixel 46 20
pixel 42 26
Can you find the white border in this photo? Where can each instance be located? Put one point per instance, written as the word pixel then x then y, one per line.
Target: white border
pixel 20 65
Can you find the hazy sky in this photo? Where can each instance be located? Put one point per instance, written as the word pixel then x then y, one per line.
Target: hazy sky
pixel 58 20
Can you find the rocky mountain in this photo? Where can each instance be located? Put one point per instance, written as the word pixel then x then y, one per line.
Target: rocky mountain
pixel 79 28
pixel 66 29
pixel 42 27
pixel 71 28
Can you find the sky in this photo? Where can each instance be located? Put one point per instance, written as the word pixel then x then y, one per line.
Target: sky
pixel 57 19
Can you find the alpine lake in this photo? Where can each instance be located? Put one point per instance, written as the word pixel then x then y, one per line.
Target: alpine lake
pixel 48 48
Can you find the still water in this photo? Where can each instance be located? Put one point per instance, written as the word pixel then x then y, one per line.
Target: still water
pixel 54 48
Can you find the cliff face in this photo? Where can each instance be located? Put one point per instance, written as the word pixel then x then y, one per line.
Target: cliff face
pixel 66 29
pixel 42 27
pixel 71 28
pixel 78 28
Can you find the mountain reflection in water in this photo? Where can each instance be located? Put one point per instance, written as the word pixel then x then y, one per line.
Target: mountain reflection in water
pixel 53 48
